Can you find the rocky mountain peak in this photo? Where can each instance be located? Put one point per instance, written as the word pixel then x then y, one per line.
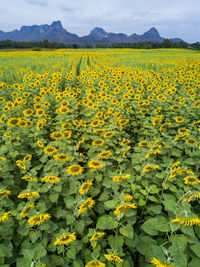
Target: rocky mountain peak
pixel 56 25
pixel 98 33
pixel 153 32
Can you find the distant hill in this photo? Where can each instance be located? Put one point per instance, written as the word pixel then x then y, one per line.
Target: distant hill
pixel 56 33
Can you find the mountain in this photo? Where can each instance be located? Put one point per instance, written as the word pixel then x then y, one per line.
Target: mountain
pixel 52 33
pixel 56 33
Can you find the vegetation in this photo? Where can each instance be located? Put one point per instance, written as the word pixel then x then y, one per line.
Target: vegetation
pixel 99 158
pixel 45 44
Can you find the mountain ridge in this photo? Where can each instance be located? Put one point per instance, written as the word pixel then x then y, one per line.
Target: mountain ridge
pixel 56 33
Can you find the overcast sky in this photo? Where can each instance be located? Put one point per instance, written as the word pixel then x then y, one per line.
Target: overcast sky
pixel 172 18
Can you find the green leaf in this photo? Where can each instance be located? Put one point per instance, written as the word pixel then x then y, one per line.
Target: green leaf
pixel 106 222
pixel 110 204
pixel 127 231
pixel 196 249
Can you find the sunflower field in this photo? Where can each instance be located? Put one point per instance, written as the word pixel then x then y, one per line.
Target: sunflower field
pixel 100 158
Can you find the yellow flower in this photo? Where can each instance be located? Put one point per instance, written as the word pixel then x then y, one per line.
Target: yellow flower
pixel 38 219
pixel 179 119
pixel 29 178
pixel 65 239
pixel 56 135
pixel 191 141
pixel 159 263
pixel 191 180
pixel 97 236
pixel 50 150
pixel 20 164
pixel 85 187
pixel 126 150
pixel 27 158
pixel 75 169
pixel 187 221
pixel 26 210
pixel 125 142
pixel 113 258
pixel 12 122
pixel 95 263
pixel 121 178
pixel 98 131
pixel 28 112
pixel 61 157
pixel 124 207
pixel 144 144
pixel 88 204
pixel 2 159
pixel 95 164
pixel 5 217
pixel 40 144
pixel 98 142
pixel 105 154
pixel 5 193
pixel 51 179
pixel 128 198
pixel 149 168
pixel 192 196
pixel 80 143
pixel 108 134
pixel 28 195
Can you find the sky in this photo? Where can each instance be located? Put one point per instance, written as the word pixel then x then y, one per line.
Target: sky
pixel 172 18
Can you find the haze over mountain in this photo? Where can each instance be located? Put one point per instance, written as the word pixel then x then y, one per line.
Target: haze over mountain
pixel 56 33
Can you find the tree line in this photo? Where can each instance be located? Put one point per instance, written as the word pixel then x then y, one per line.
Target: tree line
pixel 8 44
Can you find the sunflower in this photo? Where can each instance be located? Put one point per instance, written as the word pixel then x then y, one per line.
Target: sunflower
pixel 28 112
pixel 121 178
pixel 109 134
pixel 187 221
pixel 98 142
pixel 28 195
pixel 95 164
pixel 128 198
pixel 65 239
pixel 29 178
pixel 191 141
pixel 21 165
pixel 27 158
pixel 51 179
pixel 105 154
pixel 66 125
pixel 191 180
pixel 113 258
pixel 95 263
pixel 5 216
pixel 159 263
pixel 88 204
pixel 40 144
pixel 12 122
pixel 124 207
pixel 98 131
pixel 96 236
pixel 38 219
pixel 50 150
pixel 144 144
pixel 61 157
pixel 25 211
pixel 125 142
pixel 2 118
pixel 75 169
pixel 179 119
pixel 5 193
pixel 85 187
pixel 56 135
pixel 40 112
pixel 149 168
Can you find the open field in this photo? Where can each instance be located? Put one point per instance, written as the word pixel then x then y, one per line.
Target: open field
pixel 100 158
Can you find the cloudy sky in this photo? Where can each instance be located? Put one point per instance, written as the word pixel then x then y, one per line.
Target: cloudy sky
pixel 172 18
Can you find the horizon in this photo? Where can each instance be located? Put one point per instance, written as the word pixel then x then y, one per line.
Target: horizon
pixel 178 19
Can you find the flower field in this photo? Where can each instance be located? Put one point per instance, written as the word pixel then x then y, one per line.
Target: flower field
pixel 100 158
